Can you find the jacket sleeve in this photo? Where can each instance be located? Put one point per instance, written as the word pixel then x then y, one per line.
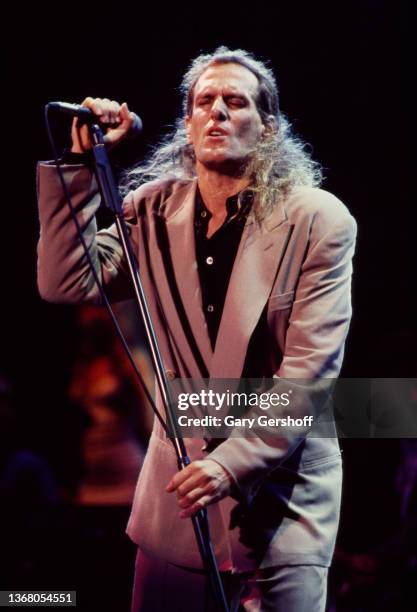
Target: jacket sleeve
pixel 63 273
pixel 315 339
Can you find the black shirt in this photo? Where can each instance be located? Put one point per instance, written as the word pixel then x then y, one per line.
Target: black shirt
pixel 216 255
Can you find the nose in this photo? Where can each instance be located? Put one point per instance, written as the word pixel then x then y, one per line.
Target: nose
pixel 219 109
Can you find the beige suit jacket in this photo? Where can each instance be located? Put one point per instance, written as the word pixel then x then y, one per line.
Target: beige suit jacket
pixel 297 264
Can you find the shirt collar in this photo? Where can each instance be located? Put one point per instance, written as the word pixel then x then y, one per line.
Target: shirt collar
pixel 234 211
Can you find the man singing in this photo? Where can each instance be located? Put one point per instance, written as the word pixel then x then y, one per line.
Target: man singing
pixel 246 266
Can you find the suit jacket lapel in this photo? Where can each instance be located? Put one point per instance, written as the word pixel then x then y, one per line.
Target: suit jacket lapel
pixel 260 253
pixel 180 229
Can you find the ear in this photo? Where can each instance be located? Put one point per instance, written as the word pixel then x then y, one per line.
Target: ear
pixel 188 129
pixel 270 126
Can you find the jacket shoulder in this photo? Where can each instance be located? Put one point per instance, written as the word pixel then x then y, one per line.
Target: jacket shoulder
pixel 318 208
pixel 153 194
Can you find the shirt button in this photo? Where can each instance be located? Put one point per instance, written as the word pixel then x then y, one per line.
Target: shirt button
pixel 210 308
pixel 209 260
pixel 204 213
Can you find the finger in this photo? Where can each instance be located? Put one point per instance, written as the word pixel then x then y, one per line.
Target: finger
pixel 105 106
pixel 126 117
pixel 124 111
pixel 201 503
pixel 76 137
pixel 95 105
pixel 74 126
pixel 114 112
pixel 80 137
pixel 192 497
pixel 178 479
pixel 198 480
pixel 89 102
pixel 181 477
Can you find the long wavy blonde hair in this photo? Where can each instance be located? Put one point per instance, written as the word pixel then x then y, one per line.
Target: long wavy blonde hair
pixel 280 161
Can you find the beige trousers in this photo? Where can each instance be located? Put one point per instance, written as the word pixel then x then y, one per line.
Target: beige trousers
pixel 160 586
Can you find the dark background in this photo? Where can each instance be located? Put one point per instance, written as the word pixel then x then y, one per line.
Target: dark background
pixel 343 73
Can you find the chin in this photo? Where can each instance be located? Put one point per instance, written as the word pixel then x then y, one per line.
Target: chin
pixel 224 163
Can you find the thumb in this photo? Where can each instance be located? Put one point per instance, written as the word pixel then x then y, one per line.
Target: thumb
pixel 125 116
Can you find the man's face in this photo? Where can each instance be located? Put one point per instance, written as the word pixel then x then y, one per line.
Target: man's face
pixel 225 125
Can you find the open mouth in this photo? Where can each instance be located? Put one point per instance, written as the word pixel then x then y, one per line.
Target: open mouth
pixel 216 133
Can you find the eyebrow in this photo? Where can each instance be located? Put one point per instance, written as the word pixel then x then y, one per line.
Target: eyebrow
pixel 232 92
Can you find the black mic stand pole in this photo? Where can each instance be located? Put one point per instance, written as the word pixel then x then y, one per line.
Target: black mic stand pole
pixel 112 200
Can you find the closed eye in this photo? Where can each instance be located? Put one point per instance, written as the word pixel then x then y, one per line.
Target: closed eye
pixel 204 100
pixel 236 101
pixel 232 101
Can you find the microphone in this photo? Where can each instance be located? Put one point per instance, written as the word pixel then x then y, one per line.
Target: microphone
pixel 87 116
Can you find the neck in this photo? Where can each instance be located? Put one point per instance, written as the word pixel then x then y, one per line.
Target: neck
pixel 216 188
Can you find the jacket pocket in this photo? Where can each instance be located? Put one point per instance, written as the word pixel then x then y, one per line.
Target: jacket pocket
pixel 313 464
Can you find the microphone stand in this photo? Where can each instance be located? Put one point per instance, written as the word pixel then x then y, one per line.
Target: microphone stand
pixel 112 200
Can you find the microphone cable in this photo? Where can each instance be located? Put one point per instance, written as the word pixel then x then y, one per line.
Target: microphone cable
pixel 97 281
